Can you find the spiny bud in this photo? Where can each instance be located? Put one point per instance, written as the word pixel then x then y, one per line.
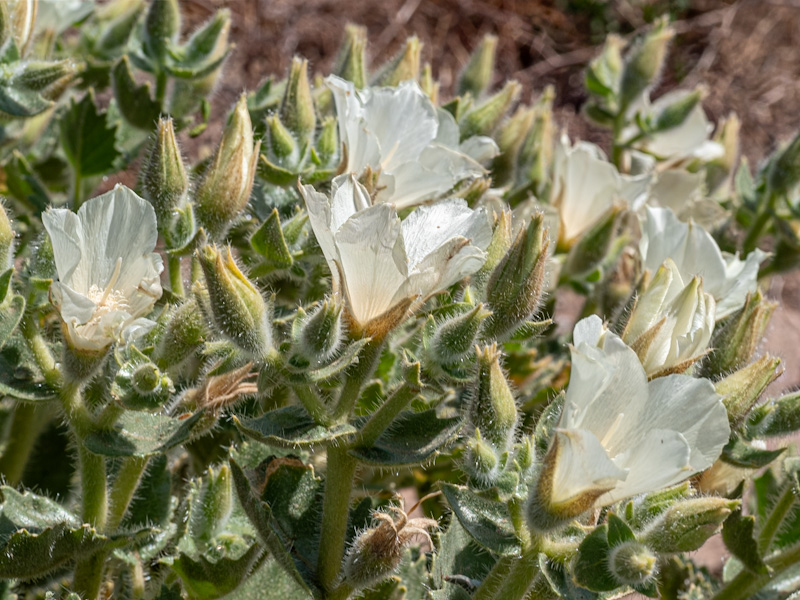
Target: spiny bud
pixel 536 153
pixel 493 409
pixel 321 332
pixel 281 143
pixel 735 343
pixel 632 563
pixel 328 140
pixel 481 460
pixel 213 504
pixel 644 62
pixel 510 137
pixel 783 173
pixel 7 236
pixel 351 62
pixel 498 247
pixel 686 525
pixel 456 336
pixel 477 74
pixel 483 119
pixel 238 308
pixel 297 109
pixel 225 191
pixel 185 333
pixel 165 179
pixel 742 389
pixel 514 289
pixel 38 75
pixel 403 67
pixel 162 26
pixel 140 385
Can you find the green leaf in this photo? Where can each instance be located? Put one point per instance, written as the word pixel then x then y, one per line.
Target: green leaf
pixel 561 581
pixel 134 100
pixel 153 500
pixel 270 582
pixel 10 315
pixel 274 174
pixel 269 242
pixel 205 579
pixel 737 533
pixel 411 439
pixel 461 559
pixel 780 417
pixel 260 516
pixel 24 183
pixel 20 383
pixel 19 102
pixel 618 531
pixel 741 454
pixel 591 563
pixel 487 521
pixel 291 427
pixel 88 140
pixel 142 434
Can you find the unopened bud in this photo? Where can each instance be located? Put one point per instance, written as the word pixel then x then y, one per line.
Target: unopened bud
pixel 403 67
pixel 455 337
pixel 225 190
pixel 162 26
pixel 281 143
pixel 644 62
pixel 605 71
pixel 7 236
pixel 736 342
pixel 38 75
pixel 140 385
pixel 493 410
pixel 297 109
pixel 594 245
pixel 238 308
pixel 632 563
pixel 119 19
pixel 515 287
pixel 477 75
pixel 321 332
pixel 783 172
pixel 213 504
pixel 498 247
pixel 428 84
pixel 481 460
pixel 676 113
pixel 351 64
pixel 185 333
pixel 742 389
pixel 536 153
pixel 165 179
pixel 483 119
pixel 686 525
pixel 510 137
pixel 328 140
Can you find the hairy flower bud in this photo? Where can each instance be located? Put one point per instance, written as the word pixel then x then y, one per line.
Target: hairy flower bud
pixel 140 385
pixel 492 409
pixel 477 74
pixel 162 26
pixel 328 140
pixel 483 119
pixel 632 563
pixel 403 67
pixel 7 236
pixel 455 337
pixel 212 505
pixel 297 108
pixel 686 525
pixel 185 332
pixel 238 308
pixel 742 389
pixel 515 287
pixel 320 334
pixel 644 62
pixel 281 143
pixel 165 179
pixel 481 460
pixel 225 190
pixel 351 62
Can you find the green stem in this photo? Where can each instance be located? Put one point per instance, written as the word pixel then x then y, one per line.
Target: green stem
pixel 93 487
pixel 335 515
pixel 516 507
pixel 27 422
pixel 125 485
pixel 175 274
pixel 161 87
pixel 747 584
pixel 757 227
pixel 351 389
pixel 308 397
pixel 41 353
pixel 518 581
pixel 89 576
pixel 776 517
pixel 386 413
pixel 494 579
pixel 343 592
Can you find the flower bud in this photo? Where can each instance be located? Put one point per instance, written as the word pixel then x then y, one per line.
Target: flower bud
pixel 238 308
pixel 225 190
pixel 515 287
pixel 594 245
pixel 675 114
pixel 165 179
pixel 783 172
pixel 510 137
pixel 742 389
pixel 483 119
pixel 735 343
pixel 297 108
pixel 140 385
pixel 38 75
pixel 320 334
pixel 481 460
pixel 351 62
pixel 403 67
pixel 644 62
pixel 162 26
pixel 185 333
pixel 7 236
pixel 632 563
pixel 212 505
pixel 456 337
pixel 498 247
pixel 328 140
pixel 428 84
pixel 686 525
pixel 477 74
pixel 492 409
pixel 281 143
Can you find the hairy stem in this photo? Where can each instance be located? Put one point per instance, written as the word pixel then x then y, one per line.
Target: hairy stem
pixel 27 422
pixel 125 485
pixel 174 264
pixel 776 517
pixel 367 361
pixel 309 399
pixel 386 413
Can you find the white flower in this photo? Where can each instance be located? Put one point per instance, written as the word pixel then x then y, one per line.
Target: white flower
pixel 586 186
pixel 695 252
pixel 672 322
pixel 108 274
pixel 381 264
pixel 399 134
pixel 619 435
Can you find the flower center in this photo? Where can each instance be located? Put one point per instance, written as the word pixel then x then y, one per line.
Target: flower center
pixel 108 300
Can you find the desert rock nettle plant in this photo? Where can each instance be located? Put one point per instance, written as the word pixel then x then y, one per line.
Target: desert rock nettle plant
pixel 231 379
